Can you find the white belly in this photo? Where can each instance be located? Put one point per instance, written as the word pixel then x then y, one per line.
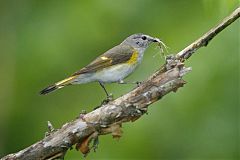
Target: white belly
pixel 114 73
pixel 107 75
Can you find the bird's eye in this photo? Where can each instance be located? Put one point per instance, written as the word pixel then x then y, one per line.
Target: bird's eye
pixel 144 37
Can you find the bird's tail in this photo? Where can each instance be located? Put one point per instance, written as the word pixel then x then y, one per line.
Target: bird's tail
pixel 49 89
pixel 57 85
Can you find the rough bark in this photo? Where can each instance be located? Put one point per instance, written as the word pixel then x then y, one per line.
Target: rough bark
pixel 129 107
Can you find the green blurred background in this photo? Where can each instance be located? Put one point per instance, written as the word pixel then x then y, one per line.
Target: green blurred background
pixel 42 42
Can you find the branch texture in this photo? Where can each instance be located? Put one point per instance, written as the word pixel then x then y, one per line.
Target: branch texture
pixel 109 117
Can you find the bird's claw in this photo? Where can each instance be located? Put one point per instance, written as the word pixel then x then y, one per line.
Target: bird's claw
pixel 138 83
pixel 105 101
pixel 108 99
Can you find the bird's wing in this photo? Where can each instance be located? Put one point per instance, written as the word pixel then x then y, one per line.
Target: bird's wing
pixel 116 55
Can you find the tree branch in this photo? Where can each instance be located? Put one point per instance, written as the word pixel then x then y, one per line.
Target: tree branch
pixel 206 38
pixel 131 106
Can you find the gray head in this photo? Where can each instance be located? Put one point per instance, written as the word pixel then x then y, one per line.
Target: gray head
pixel 140 40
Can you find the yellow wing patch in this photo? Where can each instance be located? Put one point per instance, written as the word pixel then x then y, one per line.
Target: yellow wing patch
pixel 133 58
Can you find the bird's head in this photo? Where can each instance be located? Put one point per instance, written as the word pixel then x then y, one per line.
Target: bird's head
pixel 140 40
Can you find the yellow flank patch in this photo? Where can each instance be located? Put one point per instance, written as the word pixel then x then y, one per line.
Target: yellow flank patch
pixel 104 58
pixel 133 58
pixel 63 82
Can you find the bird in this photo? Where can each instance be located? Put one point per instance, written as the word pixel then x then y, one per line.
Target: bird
pixel 112 66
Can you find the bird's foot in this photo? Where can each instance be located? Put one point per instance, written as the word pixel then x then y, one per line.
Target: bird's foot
pixel 105 101
pixel 108 99
pixel 138 83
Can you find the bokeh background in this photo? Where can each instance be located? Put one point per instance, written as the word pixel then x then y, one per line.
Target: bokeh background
pixel 42 42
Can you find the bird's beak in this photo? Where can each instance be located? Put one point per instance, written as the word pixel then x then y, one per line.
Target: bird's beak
pixel 159 42
pixel 155 40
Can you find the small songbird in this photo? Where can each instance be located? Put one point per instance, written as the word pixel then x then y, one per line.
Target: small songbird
pixel 112 66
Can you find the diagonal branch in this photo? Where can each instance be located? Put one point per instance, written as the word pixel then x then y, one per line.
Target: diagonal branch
pixel 207 37
pixel 131 106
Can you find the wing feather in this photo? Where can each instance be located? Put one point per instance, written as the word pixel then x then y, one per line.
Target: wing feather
pixel 116 55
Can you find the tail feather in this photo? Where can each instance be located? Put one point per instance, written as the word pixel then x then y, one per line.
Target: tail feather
pixel 57 85
pixel 49 89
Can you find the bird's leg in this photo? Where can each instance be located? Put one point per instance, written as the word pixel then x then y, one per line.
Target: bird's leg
pixel 102 85
pixel 109 96
pixel 123 82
